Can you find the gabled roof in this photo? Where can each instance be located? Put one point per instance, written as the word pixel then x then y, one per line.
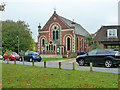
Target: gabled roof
pixel 101 34
pixel 78 28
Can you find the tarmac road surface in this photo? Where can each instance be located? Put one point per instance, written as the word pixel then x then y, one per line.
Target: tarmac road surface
pixel 68 64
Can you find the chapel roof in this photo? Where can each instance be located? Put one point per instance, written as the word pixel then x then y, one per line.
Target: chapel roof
pixel 78 28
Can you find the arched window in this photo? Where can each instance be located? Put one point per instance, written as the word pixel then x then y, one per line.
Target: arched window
pixel 51 47
pixel 47 48
pixel 53 35
pixel 43 42
pixel 54 48
pixel 77 43
pixel 56 35
pixel 68 43
pixel 82 44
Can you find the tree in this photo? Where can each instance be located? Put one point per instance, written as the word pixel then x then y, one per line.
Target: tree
pixel 91 43
pixel 2 7
pixel 11 30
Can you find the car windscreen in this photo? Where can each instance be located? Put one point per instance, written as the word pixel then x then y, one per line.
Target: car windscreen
pixel 14 53
pixel 93 52
pixel 35 53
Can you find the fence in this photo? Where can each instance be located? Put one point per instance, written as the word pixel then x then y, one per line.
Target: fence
pixel 45 64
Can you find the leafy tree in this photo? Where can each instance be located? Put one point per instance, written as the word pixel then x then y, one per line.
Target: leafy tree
pixel 91 43
pixel 12 32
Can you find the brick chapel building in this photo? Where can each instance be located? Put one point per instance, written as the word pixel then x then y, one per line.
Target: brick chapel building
pixel 61 36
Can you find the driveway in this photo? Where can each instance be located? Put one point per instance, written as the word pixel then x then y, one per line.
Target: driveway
pixel 68 64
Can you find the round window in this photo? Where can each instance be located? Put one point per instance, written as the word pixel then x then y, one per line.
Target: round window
pixel 55 27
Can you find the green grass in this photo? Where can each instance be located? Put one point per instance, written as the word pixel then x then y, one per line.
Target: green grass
pixel 52 59
pixel 24 76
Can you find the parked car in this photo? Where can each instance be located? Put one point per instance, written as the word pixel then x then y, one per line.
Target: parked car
pixel 106 57
pixel 13 56
pixel 1 57
pixel 30 56
pixel 80 53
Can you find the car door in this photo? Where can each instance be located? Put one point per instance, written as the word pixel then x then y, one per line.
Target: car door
pixel 26 56
pixel 29 55
pixel 91 56
pixel 101 54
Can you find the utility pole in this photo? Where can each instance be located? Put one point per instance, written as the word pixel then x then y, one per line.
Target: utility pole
pixel 18 44
pixel 2 8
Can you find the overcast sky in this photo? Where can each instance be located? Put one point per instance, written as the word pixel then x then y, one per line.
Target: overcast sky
pixel 91 14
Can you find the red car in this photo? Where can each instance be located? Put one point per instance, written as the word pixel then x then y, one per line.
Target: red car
pixel 13 56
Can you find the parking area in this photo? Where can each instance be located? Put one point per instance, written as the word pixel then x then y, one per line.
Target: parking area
pixel 68 64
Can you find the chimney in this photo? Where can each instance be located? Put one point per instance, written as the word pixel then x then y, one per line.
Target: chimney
pixel 73 24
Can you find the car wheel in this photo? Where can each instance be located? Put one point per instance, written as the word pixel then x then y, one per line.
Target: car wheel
pixel 10 59
pixel 108 63
pixel 20 59
pixel 81 62
pixel 30 60
pixel 38 60
pixel 4 59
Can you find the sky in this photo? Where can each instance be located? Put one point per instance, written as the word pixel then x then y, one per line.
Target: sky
pixel 90 14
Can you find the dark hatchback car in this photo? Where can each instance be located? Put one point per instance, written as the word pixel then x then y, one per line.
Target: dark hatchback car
pixel 30 56
pixel 106 57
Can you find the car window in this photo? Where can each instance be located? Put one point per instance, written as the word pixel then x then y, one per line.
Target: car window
pixel 93 52
pixel 14 53
pixel 26 53
pixel 30 53
pixel 102 51
pixel 35 53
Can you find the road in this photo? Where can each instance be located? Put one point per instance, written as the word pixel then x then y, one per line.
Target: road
pixel 68 64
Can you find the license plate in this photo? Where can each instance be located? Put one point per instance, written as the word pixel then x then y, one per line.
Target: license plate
pixel 38 57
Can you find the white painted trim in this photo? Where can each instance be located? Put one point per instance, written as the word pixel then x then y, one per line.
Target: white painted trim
pixel 44 32
pixel 74 43
pixel 71 38
pixel 51 25
pixel 67 43
pixel 67 29
pixel 40 42
pixel 65 36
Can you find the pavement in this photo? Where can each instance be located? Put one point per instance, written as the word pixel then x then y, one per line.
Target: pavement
pixel 68 64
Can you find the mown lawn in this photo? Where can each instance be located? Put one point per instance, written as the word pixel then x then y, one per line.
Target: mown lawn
pixel 24 76
pixel 52 59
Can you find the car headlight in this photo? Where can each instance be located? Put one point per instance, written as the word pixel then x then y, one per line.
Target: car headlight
pixel 33 56
pixel 78 56
pixel 13 56
pixel 117 54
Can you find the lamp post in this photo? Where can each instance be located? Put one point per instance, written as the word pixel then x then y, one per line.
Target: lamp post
pixel 18 44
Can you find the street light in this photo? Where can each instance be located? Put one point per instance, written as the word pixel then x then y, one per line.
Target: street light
pixel 18 44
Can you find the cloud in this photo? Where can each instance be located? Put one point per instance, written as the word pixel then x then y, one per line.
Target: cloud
pixel 112 19
pixel 63 1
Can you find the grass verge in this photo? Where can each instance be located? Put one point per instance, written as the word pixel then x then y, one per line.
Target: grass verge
pixel 24 76
pixel 52 59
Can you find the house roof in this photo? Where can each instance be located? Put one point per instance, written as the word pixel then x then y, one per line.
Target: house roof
pixel 78 28
pixel 101 34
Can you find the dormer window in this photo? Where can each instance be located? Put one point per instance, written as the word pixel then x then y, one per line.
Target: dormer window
pixel 112 33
